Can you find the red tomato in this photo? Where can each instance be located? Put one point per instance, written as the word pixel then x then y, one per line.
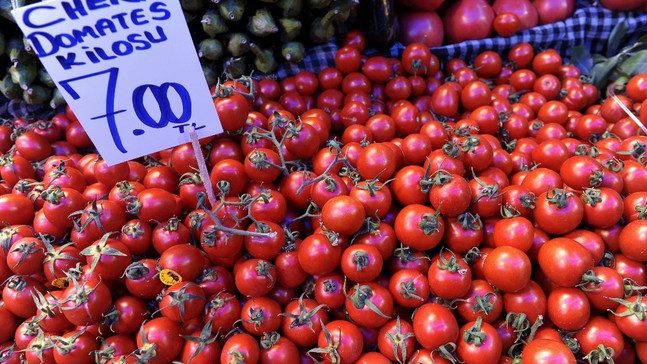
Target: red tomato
pixel 419 227
pixel 600 331
pixel 223 310
pixel 516 231
pixel 524 10
pixel 376 161
pixel 16 209
pixel 434 326
pixel 603 207
pixel 182 301
pixel 396 340
pixel 361 263
pixel 409 288
pixel 628 319
pixel 303 320
pixel 85 302
pixel 233 110
pixel 348 59
pixel 551 11
pixel 558 211
pixel 343 214
pixel 568 308
pixel 539 349
pixel 445 101
pixel 255 277
pixel 341 339
pixel 633 240
pixel 468 19
pixel 141 279
pixel 507 268
pixel 185 260
pixel 564 261
pixel 75 347
pixel 201 348
pixel 108 258
pixel 480 343
pixel 261 315
pixel 159 341
pixel 449 276
pixel 33 146
pixel 369 304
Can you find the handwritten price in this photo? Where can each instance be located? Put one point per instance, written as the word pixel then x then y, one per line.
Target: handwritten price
pixel 160 95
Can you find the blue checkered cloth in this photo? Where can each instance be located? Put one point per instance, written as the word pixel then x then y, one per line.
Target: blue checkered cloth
pixel 17 108
pixel 589 25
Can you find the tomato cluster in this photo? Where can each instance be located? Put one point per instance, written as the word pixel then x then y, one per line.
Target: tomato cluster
pixel 384 210
pixel 463 20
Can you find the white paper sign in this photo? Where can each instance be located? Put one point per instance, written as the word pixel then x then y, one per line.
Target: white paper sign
pixel 127 68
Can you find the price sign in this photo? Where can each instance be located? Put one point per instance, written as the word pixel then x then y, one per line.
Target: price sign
pixel 127 68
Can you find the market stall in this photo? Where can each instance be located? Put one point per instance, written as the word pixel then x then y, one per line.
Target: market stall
pixel 323 181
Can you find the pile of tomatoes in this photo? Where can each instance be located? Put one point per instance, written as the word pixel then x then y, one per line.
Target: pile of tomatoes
pixel 439 22
pixel 384 210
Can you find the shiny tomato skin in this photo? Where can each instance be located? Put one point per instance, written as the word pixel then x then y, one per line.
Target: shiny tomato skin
pixel 156 204
pixel 84 344
pixel 373 358
pixel 434 325
pixel 195 353
pixel 486 350
pixel 516 231
pixel 16 209
pixel 233 109
pixel 14 168
pixel 608 284
pixel 318 255
pixel 541 179
pixel 409 288
pixel 547 351
pixel 406 187
pixel 376 161
pixel 445 101
pixel 467 20
pixel 603 207
pixel 261 314
pixel 343 214
pixel 449 275
pixel 507 268
pixel 91 308
pixel 165 334
pixel 348 59
pixel 600 331
pixel 141 279
pixel 371 315
pixel 361 263
pixel 558 212
pixel 33 146
pixel 10 324
pixel 453 197
pixel 564 260
pixel 282 351
pixel 346 337
pixel 185 260
pixel 255 277
pixel 486 200
pixel 308 313
pixel 568 308
pixel 530 300
pixel 419 227
pixel 633 240
pixel 630 323
pixel 189 307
